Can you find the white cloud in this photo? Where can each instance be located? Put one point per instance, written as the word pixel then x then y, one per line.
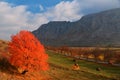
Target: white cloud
pixel 11 18
pixel 15 18
pixel 65 10
pixel 91 6
pixel 41 7
pixel 74 10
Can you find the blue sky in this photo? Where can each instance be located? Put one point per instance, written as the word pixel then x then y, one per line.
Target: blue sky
pixel 33 5
pixel 16 15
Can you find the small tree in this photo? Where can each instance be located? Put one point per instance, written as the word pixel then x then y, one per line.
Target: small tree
pixel 27 53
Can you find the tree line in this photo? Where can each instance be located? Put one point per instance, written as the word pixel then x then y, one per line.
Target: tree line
pixel 96 54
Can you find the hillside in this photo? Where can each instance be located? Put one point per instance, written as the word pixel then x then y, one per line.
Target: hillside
pixel 99 29
pixel 60 69
pixel 3 46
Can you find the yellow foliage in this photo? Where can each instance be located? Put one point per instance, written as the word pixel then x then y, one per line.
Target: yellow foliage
pixel 91 56
pixel 101 57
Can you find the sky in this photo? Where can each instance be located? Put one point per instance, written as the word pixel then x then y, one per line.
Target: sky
pixel 16 15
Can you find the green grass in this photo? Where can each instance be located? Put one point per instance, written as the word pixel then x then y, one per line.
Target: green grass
pixel 89 68
pixel 61 69
pixel 108 71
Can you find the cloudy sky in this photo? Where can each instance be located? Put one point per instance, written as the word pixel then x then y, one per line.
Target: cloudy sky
pixel 16 15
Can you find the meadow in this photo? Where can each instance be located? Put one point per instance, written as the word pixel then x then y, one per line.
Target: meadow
pixel 60 69
pixel 87 69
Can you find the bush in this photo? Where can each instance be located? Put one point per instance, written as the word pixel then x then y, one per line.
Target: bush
pixel 27 53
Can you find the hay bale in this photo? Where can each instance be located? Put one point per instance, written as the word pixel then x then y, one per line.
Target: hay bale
pixel 98 69
pixel 75 67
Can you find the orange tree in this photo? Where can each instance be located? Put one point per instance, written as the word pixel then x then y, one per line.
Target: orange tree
pixel 27 53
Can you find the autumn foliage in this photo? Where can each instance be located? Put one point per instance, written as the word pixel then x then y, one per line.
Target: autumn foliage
pixel 95 54
pixel 27 53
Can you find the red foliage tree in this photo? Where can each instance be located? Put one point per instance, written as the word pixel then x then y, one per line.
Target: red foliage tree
pixel 27 53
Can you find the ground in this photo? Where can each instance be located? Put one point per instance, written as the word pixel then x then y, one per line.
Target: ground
pixel 60 69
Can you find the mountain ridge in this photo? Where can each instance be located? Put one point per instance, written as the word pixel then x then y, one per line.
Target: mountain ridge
pixel 98 29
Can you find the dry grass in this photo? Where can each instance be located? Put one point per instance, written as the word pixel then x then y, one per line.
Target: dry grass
pixel 59 69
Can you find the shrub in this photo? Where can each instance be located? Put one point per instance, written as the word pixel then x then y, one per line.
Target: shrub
pixel 27 53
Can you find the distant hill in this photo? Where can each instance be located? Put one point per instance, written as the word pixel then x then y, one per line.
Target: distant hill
pixel 99 29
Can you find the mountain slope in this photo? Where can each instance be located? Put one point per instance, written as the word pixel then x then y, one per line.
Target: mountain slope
pixel 100 29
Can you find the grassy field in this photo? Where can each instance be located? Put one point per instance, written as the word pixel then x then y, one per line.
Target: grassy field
pixel 61 69
pixel 87 69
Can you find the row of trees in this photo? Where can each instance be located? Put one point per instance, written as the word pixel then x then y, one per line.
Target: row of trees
pixel 106 55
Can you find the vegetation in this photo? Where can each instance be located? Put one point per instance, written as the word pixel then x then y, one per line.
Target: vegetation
pixel 96 54
pixel 87 69
pixel 60 68
pixel 27 53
